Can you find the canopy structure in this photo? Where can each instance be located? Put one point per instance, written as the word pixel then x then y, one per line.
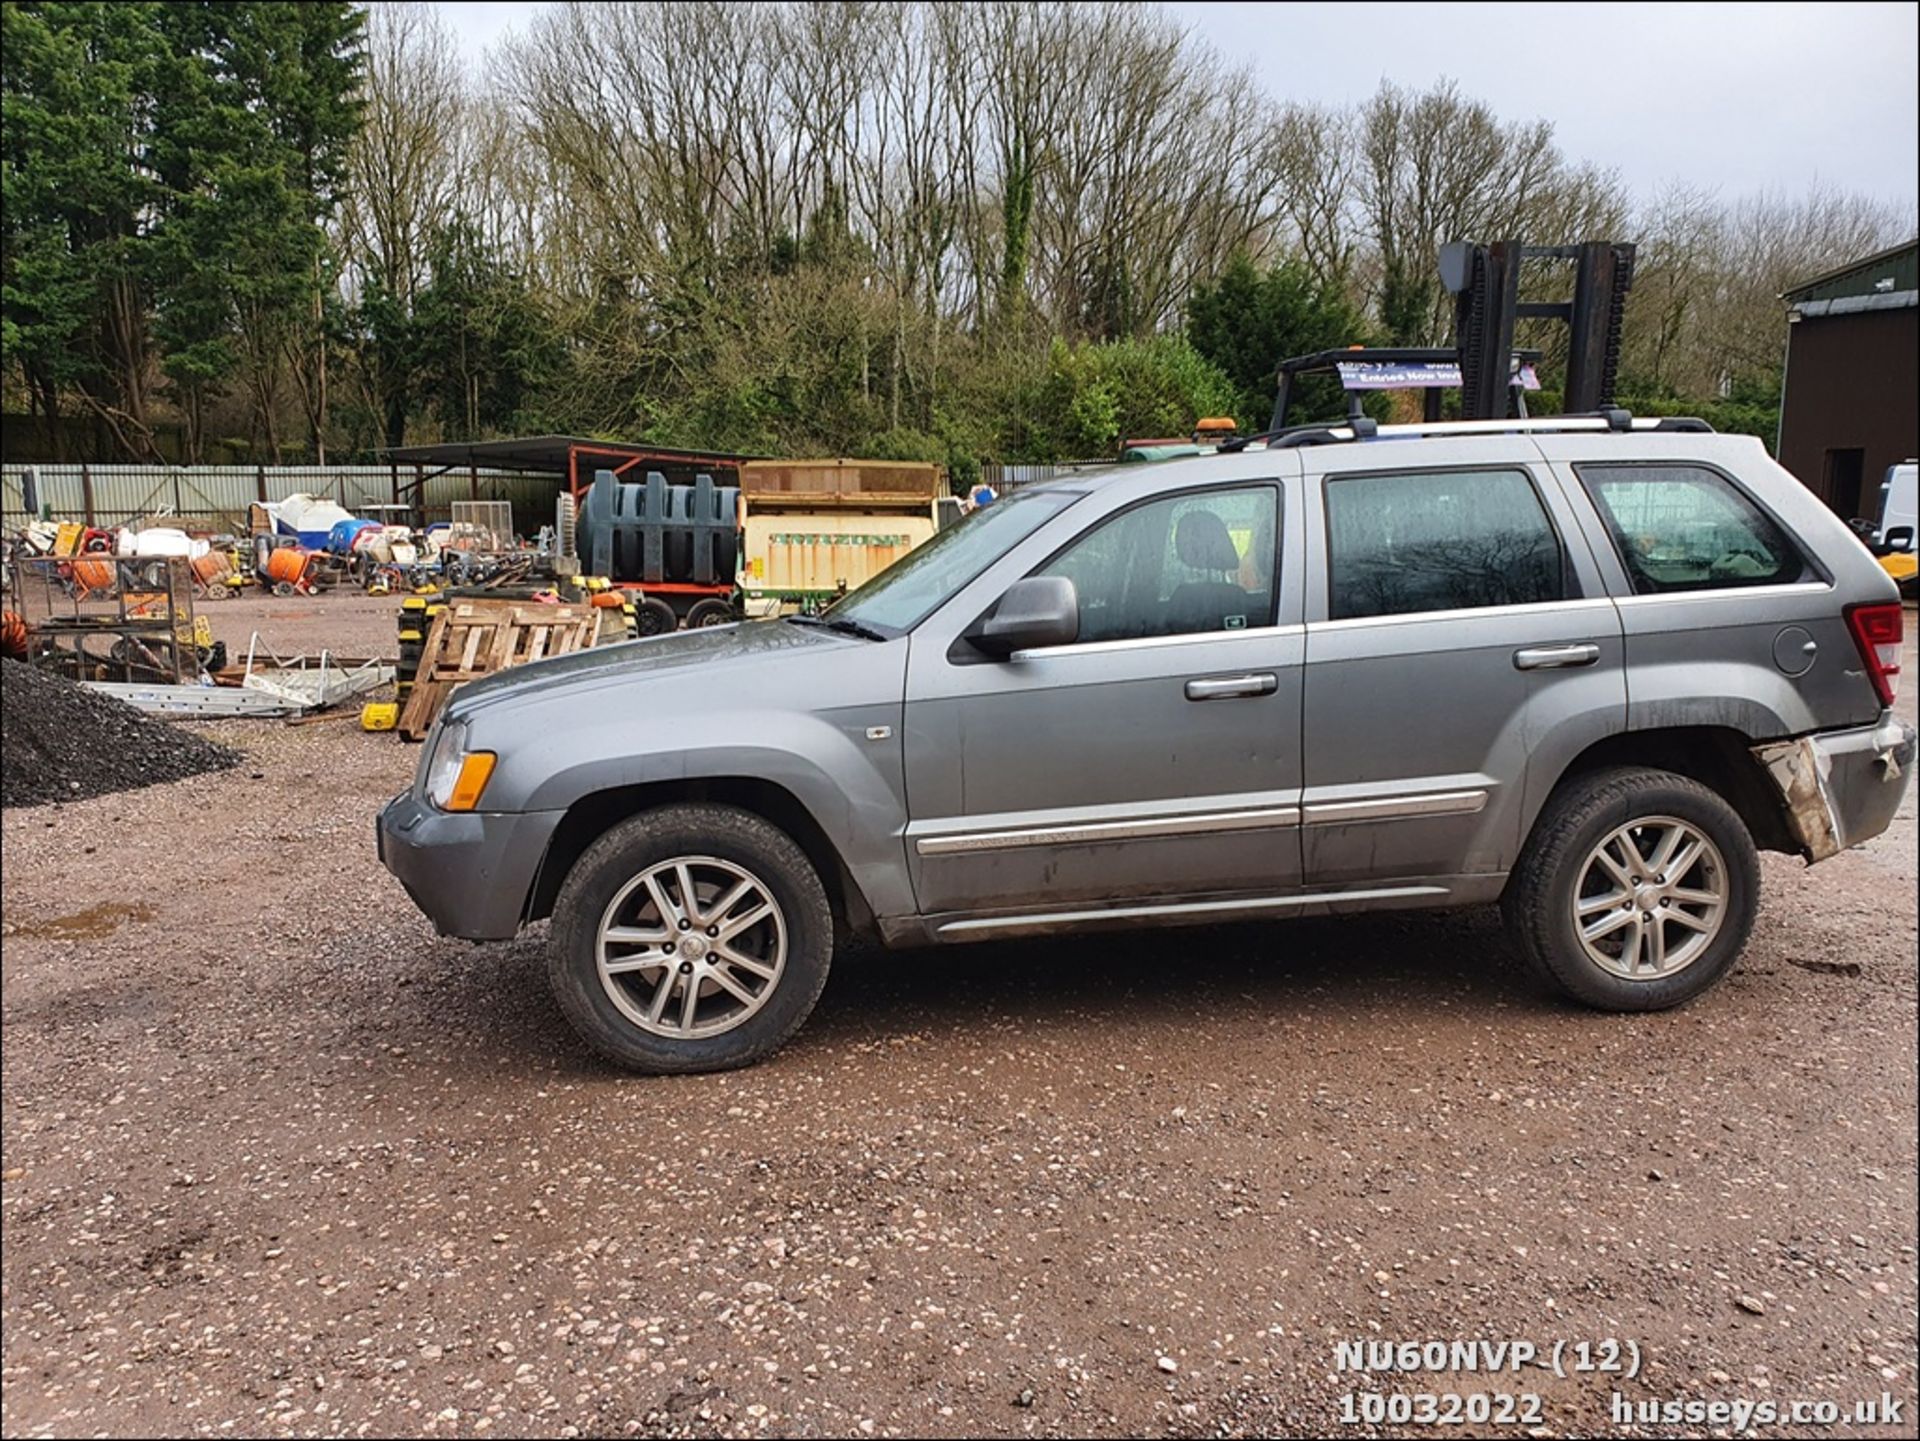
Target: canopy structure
pixel 570 459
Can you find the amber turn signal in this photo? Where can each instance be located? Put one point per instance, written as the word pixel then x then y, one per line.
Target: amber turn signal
pixel 475 770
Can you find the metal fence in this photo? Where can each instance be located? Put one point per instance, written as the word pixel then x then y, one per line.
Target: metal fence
pixel 214 498
pixel 1005 478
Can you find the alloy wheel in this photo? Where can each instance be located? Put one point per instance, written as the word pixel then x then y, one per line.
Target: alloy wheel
pixel 1651 898
pixel 691 947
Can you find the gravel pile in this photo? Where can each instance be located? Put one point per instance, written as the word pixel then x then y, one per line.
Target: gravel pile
pixel 62 742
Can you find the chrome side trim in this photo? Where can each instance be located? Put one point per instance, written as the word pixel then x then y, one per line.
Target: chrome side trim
pixel 1250 904
pixel 1731 592
pixel 1393 808
pixel 1268 818
pixel 1155 642
pixel 1380 808
pixel 1541 607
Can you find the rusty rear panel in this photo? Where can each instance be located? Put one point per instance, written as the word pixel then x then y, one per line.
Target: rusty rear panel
pixel 842 482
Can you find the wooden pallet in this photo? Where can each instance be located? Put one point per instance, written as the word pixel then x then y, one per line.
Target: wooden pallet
pixel 472 638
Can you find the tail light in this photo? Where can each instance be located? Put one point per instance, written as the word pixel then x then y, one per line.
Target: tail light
pixel 1878 630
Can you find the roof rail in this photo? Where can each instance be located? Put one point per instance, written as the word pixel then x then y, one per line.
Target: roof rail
pixel 1608 421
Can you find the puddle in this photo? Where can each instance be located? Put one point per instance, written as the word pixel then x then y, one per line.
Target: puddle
pixel 92 924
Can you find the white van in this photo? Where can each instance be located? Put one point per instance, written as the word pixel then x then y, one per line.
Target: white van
pixel 1898 509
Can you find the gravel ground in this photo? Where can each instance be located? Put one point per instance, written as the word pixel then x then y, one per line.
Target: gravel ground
pixel 277 1160
pixel 347 622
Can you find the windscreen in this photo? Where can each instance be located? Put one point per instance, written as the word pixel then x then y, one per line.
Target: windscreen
pixel 905 593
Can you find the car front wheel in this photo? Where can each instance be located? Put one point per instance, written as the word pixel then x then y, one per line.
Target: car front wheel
pixel 690 938
pixel 1637 890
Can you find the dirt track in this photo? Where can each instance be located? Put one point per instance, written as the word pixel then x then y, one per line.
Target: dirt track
pixel 277 1160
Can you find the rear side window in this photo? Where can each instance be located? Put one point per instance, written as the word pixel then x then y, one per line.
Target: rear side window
pixel 1439 540
pixel 1684 527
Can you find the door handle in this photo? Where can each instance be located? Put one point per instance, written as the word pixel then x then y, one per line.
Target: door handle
pixel 1228 687
pixel 1555 657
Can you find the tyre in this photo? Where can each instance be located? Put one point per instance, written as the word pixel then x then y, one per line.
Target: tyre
pixel 1636 891
pixel 711 611
pixel 655 617
pixel 690 938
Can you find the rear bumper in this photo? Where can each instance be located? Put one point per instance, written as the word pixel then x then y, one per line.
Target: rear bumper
pixel 470 874
pixel 1842 787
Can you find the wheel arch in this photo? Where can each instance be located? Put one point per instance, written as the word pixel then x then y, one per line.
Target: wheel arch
pixel 1718 757
pixel 594 814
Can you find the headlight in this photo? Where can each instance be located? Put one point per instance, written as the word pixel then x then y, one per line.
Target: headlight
pixel 455 775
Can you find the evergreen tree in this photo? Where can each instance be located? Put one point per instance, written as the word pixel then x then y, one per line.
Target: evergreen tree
pixel 1248 321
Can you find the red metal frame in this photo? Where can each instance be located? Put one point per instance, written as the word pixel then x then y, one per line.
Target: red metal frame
pixel 629 459
pixel 673 587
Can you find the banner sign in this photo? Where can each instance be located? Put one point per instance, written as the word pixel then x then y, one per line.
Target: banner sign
pixel 1408 375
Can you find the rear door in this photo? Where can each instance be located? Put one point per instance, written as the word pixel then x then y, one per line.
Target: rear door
pixel 1457 637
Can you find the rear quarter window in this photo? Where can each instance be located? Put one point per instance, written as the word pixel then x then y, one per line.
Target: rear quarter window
pixel 1685 527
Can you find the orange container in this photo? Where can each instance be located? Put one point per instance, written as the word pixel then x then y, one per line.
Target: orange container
pixel 94 574
pixel 289 563
pixel 212 567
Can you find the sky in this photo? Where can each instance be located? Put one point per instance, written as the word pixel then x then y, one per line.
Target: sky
pixel 1737 98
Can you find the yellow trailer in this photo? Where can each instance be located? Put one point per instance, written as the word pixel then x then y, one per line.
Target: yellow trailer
pixel 815 529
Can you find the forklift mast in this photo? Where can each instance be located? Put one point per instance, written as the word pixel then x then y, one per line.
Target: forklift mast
pixel 1485 283
pixel 1491 375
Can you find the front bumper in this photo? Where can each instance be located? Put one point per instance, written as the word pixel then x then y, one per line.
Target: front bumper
pixel 469 872
pixel 1842 787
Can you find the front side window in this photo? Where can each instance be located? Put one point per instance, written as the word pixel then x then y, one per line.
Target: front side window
pixel 1439 540
pixel 1179 566
pixel 1684 527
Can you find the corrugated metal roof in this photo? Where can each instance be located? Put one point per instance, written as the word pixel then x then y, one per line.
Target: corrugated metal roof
pixel 547 452
pixel 1893 269
pixel 1854 304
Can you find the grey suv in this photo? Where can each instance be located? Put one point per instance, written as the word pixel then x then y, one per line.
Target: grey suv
pixel 1583 667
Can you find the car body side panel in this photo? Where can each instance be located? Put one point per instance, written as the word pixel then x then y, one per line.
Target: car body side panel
pixel 1727 657
pixel 1049 747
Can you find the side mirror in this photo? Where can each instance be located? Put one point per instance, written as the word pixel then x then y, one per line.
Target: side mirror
pixel 1900 538
pixel 1041 610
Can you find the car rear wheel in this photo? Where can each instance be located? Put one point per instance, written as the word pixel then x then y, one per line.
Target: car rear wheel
pixel 690 938
pixel 1637 890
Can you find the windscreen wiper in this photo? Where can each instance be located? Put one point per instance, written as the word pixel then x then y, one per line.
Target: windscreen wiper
pixel 841 624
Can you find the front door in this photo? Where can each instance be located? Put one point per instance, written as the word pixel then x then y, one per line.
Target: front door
pixel 1157 758
pixel 1462 630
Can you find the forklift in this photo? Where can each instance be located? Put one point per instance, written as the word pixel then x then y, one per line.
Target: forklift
pixel 1493 378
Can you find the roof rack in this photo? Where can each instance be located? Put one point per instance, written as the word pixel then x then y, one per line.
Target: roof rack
pixel 1427 369
pixel 1364 428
